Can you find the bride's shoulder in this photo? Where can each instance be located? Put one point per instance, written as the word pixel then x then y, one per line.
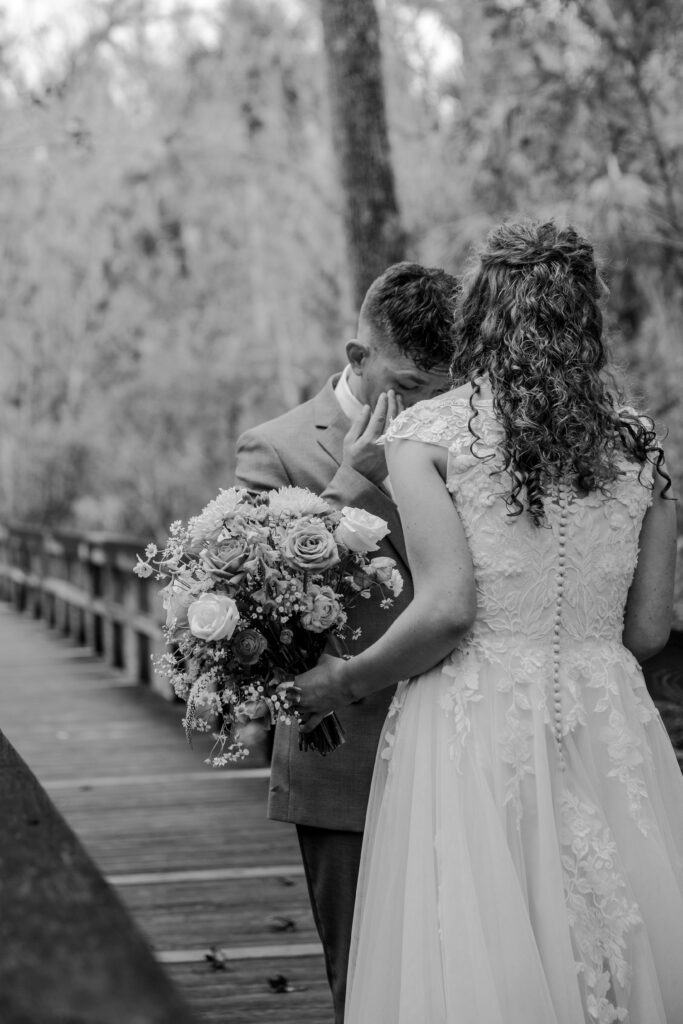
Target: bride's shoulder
pixel 459 403
pixel 438 420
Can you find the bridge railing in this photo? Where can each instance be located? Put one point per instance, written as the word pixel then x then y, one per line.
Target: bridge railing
pixel 69 949
pixel 83 585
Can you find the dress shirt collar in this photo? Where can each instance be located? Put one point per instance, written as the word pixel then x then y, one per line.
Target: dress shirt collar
pixel 350 405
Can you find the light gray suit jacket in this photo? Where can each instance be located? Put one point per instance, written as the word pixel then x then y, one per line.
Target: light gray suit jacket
pixel 303 448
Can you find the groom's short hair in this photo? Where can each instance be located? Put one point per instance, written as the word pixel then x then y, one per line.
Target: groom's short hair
pixel 413 307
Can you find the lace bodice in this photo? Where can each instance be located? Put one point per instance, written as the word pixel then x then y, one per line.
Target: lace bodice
pixel 567 580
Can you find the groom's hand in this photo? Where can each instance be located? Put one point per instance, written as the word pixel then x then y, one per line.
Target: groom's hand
pixel 361 451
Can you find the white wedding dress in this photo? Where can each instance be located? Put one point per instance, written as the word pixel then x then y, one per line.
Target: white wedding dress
pixel 523 854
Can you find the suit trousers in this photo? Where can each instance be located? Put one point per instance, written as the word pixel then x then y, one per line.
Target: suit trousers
pixel 331 861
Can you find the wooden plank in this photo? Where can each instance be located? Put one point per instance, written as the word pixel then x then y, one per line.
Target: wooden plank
pixel 249 912
pixel 178 826
pixel 242 994
pixel 227 953
pixel 223 775
pixel 287 871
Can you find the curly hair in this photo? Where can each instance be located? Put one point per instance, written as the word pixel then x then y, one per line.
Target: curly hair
pixel 530 320
pixel 413 307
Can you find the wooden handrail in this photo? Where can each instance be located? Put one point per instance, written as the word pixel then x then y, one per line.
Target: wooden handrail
pixel 83 585
pixel 68 948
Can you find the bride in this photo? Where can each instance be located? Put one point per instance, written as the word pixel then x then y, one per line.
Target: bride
pixel 523 852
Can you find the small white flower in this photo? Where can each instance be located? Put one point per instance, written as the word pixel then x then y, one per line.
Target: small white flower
pixel 151 550
pixel 142 569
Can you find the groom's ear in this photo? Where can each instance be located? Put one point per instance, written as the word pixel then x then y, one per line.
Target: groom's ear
pixel 356 353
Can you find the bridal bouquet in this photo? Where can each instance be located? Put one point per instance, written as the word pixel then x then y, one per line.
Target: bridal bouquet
pixel 257 585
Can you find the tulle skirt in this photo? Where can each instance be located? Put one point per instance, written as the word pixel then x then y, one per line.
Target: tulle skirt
pixel 508 878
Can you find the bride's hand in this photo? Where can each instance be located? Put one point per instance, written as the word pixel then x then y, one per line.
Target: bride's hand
pixel 315 693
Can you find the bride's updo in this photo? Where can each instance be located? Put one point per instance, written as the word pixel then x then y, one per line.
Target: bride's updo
pixel 530 319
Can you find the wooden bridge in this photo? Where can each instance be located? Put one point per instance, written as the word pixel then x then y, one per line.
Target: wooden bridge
pixel 216 890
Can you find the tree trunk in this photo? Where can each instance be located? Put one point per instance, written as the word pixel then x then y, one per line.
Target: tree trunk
pixel 374 235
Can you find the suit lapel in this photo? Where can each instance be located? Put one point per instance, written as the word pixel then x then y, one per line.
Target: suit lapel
pixel 331 423
pixel 332 426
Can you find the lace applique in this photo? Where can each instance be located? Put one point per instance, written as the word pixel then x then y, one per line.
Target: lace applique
pixel 627 754
pixel 625 750
pixel 599 910
pixel 522 683
pixel 463 691
pixel 516 747
pixel 394 711
pixel 647 710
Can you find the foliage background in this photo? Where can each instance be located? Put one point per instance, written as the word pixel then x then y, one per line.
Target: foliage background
pixel 173 266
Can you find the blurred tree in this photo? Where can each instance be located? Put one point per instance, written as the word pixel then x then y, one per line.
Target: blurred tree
pixel 374 235
pixel 173 255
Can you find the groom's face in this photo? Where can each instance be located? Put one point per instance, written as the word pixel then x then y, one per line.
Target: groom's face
pixel 379 366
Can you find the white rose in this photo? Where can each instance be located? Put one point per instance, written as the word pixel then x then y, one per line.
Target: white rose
pixel 213 617
pixel 360 530
pixel 176 600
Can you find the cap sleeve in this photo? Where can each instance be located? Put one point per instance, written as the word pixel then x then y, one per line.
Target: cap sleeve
pixel 439 421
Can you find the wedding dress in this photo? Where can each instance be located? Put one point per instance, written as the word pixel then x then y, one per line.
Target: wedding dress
pixel 523 854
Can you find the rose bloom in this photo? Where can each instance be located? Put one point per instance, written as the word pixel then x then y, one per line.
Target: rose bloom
pixel 322 609
pixel 213 617
pixel 176 599
pixel 248 646
pixel 359 530
pixel 227 557
pixel 310 547
pixel 380 569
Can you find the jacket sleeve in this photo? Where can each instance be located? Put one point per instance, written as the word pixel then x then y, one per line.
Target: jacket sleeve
pixel 348 487
pixel 259 466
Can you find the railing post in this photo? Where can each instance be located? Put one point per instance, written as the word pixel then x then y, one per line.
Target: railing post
pixel 101 554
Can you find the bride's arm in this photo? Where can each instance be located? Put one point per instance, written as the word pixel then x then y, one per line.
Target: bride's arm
pixel 647 619
pixel 444 603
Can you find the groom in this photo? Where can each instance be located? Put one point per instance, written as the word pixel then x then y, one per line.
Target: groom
pixel 400 356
